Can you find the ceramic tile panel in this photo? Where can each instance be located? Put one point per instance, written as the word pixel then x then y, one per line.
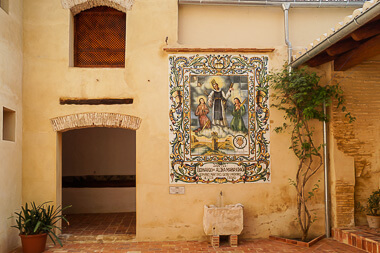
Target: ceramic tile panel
pixel 219 119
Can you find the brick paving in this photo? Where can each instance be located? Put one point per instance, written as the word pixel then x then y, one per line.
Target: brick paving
pixel 255 246
pixel 366 229
pixel 362 237
pixel 100 224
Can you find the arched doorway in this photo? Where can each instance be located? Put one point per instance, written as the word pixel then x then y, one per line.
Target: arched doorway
pixel 96 173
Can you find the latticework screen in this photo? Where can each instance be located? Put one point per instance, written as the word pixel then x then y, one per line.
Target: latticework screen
pixel 99 38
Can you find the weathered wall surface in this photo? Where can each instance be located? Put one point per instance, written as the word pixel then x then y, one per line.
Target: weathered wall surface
pixel 11 98
pixel 360 140
pixel 218 26
pixel 268 208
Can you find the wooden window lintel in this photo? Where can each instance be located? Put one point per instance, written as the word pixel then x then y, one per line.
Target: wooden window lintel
pixel 95 101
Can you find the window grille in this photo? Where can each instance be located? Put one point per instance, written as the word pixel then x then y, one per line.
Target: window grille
pixel 99 39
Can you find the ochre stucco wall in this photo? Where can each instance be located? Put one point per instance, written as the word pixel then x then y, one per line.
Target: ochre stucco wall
pixel 218 26
pixel 268 208
pixel 359 141
pixel 11 98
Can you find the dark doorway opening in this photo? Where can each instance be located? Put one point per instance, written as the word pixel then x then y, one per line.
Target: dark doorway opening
pixel 99 181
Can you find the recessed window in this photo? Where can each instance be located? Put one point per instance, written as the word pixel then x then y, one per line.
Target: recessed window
pixel 99 38
pixel 9 124
pixel 4 4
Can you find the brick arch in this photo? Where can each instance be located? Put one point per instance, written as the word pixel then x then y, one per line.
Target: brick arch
pixel 77 6
pixel 95 119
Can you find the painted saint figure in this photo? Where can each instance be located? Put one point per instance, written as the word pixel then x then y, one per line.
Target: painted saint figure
pixel 201 112
pixel 237 123
pixel 217 100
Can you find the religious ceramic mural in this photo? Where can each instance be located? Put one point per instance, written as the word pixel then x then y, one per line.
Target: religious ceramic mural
pixel 219 119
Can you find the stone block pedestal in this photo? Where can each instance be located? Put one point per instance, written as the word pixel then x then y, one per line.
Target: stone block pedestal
pixel 227 220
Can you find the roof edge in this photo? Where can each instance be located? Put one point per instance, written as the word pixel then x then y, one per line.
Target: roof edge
pixel 356 22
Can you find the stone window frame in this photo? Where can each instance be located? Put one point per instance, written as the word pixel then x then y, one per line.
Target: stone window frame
pixel 95 119
pixel 76 6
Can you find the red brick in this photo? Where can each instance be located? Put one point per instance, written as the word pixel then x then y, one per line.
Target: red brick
pixel 369 246
pixel 233 240
pixel 354 240
pixel 215 240
pixel 374 247
pixel 257 245
pixel 359 242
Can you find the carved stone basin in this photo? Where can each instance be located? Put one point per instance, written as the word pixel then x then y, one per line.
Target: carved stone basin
pixel 227 220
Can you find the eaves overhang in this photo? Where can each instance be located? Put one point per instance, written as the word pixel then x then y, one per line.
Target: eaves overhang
pixel 357 31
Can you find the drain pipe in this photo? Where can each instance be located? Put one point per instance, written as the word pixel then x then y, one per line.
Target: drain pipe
pixel 286 7
pixel 326 169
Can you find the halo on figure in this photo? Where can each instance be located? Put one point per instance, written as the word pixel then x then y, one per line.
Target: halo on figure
pixel 238 97
pixel 243 100
pixel 219 80
pixel 199 97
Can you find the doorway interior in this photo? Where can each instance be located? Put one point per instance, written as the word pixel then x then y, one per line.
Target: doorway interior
pixel 99 181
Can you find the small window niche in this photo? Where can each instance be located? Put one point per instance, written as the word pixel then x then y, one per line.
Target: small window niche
pixel 4 4
pixel 9 124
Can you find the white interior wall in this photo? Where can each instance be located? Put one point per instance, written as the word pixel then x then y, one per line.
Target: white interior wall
pixel 99 200
pixel 99 151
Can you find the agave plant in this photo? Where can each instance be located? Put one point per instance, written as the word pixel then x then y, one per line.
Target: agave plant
pixel 33 220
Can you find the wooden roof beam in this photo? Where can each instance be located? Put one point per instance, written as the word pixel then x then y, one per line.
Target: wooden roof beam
pixel 342 47
pixel 351 58
pixel 320 59
pixel 367 31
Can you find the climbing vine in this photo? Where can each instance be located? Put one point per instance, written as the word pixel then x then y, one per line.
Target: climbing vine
pixel 300 96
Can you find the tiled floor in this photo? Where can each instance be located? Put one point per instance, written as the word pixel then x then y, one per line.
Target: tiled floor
pixel 100 224
pixel 255 246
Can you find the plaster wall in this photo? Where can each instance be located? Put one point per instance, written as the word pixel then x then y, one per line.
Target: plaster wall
pixel 11 98
pixel 236 26
pixel 268 208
